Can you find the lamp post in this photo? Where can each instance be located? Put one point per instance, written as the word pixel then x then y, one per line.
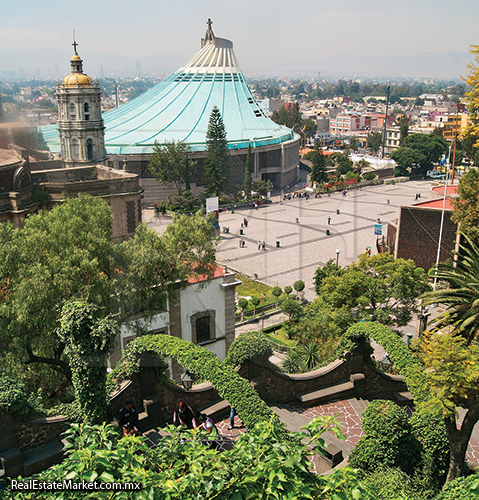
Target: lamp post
pixel 186 379
pixel 385 362
pixel 337 257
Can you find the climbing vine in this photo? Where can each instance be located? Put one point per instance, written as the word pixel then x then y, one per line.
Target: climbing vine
pixel 206 365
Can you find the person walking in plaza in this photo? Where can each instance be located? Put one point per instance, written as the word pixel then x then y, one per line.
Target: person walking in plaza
pixel 263 245
pixel 184 416
pixel 259 245
pixel 329 221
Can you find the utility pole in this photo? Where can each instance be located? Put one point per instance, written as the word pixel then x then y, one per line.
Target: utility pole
pixel 385 121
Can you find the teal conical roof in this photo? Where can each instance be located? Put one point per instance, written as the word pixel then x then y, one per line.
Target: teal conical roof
pixel 179 107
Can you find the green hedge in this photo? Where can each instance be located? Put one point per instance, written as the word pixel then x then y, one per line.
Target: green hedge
pixel 248 345
pixel 388 440
pixel 462 488
pixel 206 365
pixel 408 364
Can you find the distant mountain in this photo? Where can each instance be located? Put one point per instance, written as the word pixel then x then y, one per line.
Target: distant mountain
pixel 427 65
pixel 55 63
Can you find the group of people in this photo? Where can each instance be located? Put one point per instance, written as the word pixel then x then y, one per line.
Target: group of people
pixel 261 245
pixel 183 416
pixel 242 243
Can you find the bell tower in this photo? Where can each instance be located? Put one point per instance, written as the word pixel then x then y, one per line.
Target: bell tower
pixel 80 124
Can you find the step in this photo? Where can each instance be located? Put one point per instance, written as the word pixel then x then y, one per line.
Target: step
pixel 216 411
pixel 42 457
pixel 404 398
pixel 292 420
pixel 334 392
pixel 359 405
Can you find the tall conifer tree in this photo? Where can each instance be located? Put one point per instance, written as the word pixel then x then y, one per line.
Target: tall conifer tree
pixel 217 159
pixel 248 181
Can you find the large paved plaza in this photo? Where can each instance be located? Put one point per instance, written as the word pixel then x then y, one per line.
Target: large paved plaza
pixel 300 225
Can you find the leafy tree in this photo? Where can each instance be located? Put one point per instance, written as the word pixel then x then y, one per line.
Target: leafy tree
pixel 419 101
pixel 431 146
pixel 452 369
pixel 88 339
pixel 217 160
pixel 318 170
pixel 345 166
pixel 369 176
pixel 374 142
pixel 388 439
pixel 256 302
pixel 67 254
pixel 287 290
pixel 243 304
pixel 276 291
pixel 462 294
pixel 291 117
pixel 408 158
pixel 309 127
pixel 466 207
pixel 292 309
pixel 329 269
pixel 248 345
pixel 472 94
pixel 299 286
pixel 169 163
pixel 262 187
pixel 261 464
pixel 248 181
pixel 378 286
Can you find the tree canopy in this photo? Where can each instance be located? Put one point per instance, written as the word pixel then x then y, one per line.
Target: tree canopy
pixel 169 163
pixel 466 207
pixel 379 287
pixel 67 253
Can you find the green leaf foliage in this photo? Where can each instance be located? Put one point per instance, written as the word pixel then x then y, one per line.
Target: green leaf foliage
pixel 404 359
pixel 13 397
pixel 206 365
pixel 462 488
pixel 262 465
pixel 388 439
pixel 248 345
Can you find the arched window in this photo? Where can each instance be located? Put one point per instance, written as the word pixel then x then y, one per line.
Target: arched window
pixel 86 109
pixel 72 111
pixel 90 150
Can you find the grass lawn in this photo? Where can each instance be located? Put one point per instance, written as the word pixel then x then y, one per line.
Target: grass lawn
pixel 251 288
pixel 280 338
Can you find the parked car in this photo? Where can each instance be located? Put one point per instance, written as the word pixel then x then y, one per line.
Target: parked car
pixel 434 174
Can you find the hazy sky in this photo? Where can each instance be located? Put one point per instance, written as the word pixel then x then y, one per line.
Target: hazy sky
pixel 276 28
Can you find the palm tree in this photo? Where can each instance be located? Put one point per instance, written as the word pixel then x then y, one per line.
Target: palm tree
pixel 310 356
pixel 462 294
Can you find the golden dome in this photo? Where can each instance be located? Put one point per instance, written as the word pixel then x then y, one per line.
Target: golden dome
pixel 76 57
pixel 77 80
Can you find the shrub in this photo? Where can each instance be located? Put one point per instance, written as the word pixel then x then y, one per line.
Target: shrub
pixel 430 431
pixel 369 176
pixel 388 440
pixel 276 291
pixel 299 285
pixel 13 397
pixel 392 483
pixel 462 488
pixel 287 290
pixel 248 345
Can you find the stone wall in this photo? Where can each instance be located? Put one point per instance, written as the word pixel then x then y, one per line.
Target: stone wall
pixel 38 432
pixel 281 387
